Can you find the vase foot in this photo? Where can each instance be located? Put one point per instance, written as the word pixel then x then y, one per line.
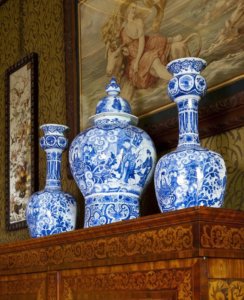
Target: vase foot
pixel 109 208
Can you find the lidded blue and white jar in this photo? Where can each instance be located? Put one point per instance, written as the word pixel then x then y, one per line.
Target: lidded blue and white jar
pixel 112 161
pixel 190 175
pixel 51 210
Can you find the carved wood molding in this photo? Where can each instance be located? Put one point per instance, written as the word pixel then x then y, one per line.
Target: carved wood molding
pixel 222 237
pixel 132 246
pixel 180 280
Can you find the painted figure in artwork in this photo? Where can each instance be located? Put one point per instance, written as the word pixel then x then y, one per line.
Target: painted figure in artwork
pixel 159 6
pixel 146 55
pixel 136 59
pixel 143 57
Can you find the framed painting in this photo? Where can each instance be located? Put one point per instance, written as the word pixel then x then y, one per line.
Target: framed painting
pixel 21 136
pixel 103 39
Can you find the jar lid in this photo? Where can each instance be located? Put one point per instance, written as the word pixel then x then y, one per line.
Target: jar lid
pixel 113 102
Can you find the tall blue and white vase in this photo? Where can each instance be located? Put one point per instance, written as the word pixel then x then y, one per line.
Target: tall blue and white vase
pixel 190 175
pixel 112 161
pixel 51 210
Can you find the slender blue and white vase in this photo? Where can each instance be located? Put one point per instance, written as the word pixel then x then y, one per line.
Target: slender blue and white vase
pixel 51 210
pixel 190 175
pixel 112 161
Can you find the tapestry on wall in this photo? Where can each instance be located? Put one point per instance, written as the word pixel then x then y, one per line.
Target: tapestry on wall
pixel 21 117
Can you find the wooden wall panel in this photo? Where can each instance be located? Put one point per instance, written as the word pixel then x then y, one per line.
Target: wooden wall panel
pixel 23 287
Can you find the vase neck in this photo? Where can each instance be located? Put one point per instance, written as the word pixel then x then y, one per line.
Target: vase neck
pixel 188 121
pixel 53 177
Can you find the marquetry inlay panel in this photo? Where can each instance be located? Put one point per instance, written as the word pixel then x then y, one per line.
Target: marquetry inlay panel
pixel 190 254
pixel 222 237
pixel 150 242
pixel 156 284
pixel 231 289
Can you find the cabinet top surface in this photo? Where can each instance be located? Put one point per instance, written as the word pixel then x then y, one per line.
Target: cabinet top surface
pixel 194 215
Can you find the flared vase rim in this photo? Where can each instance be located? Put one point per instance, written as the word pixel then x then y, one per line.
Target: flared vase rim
pixel 65 127
pixel 184 59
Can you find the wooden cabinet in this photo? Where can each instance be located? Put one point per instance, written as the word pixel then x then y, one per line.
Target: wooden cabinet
pixel 195 253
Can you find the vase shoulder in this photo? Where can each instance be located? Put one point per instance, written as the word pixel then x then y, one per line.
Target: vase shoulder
pixel 113 157
pixel 51 212
pixel 186 178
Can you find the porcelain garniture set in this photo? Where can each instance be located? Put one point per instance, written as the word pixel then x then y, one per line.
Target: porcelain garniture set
pixel 114 160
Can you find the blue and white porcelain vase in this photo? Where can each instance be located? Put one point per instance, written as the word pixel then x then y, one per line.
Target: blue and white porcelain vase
pixel 190 175
pixel 112 161
pixel 51 210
